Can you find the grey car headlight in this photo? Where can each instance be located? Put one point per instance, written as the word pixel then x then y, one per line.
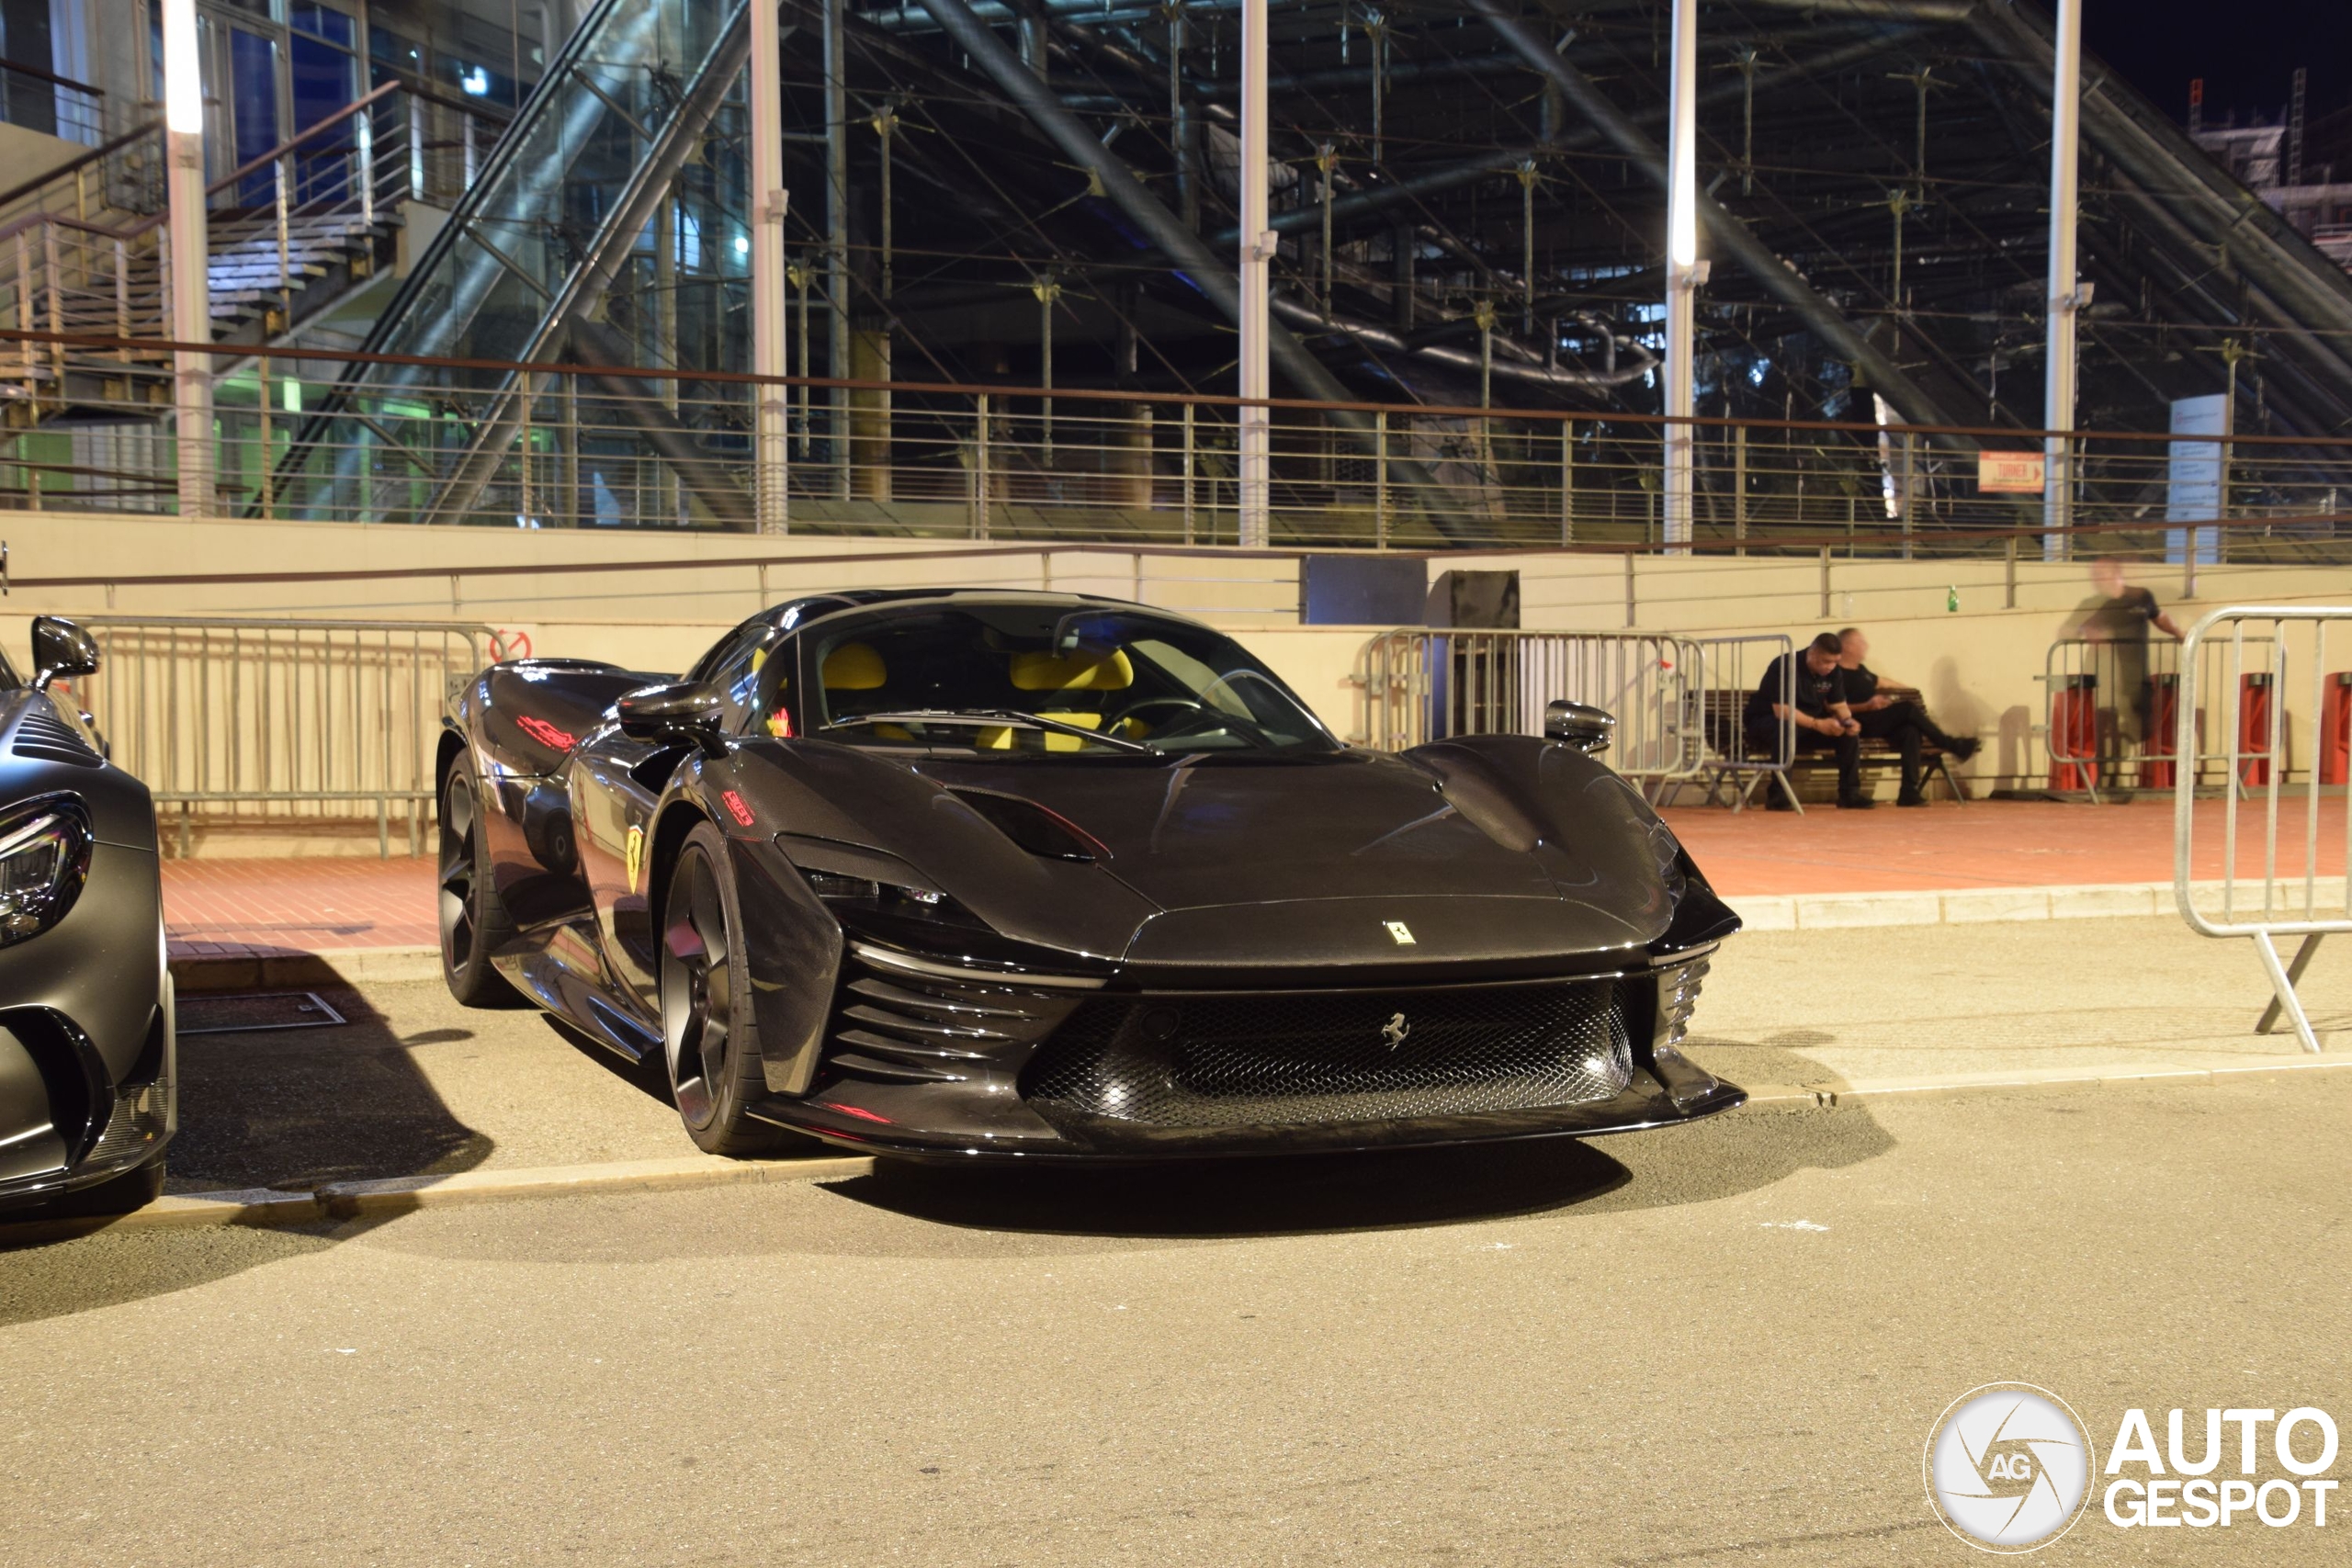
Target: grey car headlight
pixel 44 859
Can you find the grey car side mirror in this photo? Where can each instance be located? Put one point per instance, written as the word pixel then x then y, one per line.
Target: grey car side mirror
pixel 677 710
pixel 60 650
pixel 1587 729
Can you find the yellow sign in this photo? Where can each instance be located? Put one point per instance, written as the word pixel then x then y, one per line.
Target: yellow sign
pixel 636 855
pixel 2012 473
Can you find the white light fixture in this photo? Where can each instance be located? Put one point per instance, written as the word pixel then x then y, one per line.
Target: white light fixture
pixel 476 81
pixel 183 69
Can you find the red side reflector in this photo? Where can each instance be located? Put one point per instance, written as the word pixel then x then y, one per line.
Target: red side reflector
pixel 546 734
pixel 736 808
pixel 859 1111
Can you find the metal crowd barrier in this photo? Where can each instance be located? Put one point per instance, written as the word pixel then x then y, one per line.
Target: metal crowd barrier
pixel 2267 673
pixel 1729 669
pixel 2114 707
pixel 1425 684
pixel 232 719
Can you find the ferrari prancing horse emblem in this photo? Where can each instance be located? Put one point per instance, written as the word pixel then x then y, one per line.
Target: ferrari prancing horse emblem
pixel 1394 1031
pixel 1399 932
pixel 636 854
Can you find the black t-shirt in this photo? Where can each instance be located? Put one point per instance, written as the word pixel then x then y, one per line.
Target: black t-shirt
pixel 1861 683
pixel 1814 694
pixel 2124 618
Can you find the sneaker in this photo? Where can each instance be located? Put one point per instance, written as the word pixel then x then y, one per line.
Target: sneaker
pixel 1856 802
pixel 1910 800
pixel 1967 746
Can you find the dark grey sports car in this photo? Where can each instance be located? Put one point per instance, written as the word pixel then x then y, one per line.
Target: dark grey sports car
pixel 86 1043
pixel 954 873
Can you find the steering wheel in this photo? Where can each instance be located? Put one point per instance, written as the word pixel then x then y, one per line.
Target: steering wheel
pixel 1189 703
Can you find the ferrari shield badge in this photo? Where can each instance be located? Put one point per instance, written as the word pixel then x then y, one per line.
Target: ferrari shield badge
pixel 1399 932
pixel 635 854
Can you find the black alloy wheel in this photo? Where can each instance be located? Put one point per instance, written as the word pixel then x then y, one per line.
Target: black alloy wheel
pixel 472 920
pixel 705 1010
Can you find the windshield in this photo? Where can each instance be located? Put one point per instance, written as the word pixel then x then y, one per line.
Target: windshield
pixel 1045 679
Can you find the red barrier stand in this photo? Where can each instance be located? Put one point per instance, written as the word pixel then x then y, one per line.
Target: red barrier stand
pixel 2074 730
pixel 2158 770
pixel 2336 730
pixel 2254 727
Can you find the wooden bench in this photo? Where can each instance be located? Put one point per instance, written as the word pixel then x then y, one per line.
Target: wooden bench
pixel 1723 712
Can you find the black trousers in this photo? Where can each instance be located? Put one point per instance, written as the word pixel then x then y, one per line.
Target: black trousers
pixel 1764 735
pixel 1904 725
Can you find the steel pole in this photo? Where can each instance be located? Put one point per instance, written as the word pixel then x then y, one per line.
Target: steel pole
pixel 190 257
pixel 1257 252
pixel 2058 394
pixel 837 274
pixel 771 494
pixel 1681 271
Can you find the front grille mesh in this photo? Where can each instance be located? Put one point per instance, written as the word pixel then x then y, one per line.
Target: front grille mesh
pixel 1237 1060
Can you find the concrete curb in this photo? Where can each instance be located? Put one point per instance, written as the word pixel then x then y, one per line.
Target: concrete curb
pixel 1970 906
pixel 2119 1075
pixel 205 974
pixel 339 1200
pixel 343 1201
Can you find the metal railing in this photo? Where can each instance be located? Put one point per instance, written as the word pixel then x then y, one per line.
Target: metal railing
pixel 1420 685
pixel 247 720
pixel 41 100
pixel 2290 658
pixel 564 444
pixel 82 251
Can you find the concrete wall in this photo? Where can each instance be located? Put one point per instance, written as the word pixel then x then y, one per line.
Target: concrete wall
pixel 1978 663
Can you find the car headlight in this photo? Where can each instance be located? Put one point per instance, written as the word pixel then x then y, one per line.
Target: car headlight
pixel 1668 852
pixel 44 859
pixel 849 897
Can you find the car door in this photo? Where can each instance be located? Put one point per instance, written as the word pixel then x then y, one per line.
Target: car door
pixel 615 783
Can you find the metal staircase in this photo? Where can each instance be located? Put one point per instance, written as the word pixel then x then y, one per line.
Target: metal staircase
pixel 290 235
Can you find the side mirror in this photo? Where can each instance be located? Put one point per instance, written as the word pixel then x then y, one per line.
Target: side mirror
pixel 60 650
pixel 677 710
pixel 1587 729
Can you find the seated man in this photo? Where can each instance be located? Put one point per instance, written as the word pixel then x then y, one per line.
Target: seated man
pixel 1897 718
pixel 1815 693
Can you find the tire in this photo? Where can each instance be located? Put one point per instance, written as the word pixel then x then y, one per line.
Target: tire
pixel 707 1035
pixel 474 922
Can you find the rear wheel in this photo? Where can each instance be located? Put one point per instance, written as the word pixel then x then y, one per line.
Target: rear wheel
pixel 706 1005
pixel 474 922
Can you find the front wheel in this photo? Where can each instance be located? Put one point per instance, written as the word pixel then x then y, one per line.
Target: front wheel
pixel 706 1005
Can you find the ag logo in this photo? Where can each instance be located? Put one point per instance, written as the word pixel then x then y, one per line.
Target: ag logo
pixel 635 855
pixel 2008 1467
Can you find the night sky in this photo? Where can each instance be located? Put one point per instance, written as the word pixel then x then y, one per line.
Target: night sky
pixel 2245 50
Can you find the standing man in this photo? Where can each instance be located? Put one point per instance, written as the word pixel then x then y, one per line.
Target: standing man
pixel 2116 620
pixel 1808 689
pixel 1897 719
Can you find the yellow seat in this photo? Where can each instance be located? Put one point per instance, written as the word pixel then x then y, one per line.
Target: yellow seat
pixel 1109 671
pixel 855 667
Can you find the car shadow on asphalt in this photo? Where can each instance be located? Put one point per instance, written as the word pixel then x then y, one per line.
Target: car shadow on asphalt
pixel 290 1108
pixel 298 1108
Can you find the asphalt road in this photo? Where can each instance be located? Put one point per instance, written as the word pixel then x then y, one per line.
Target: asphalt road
pixel 1718 1344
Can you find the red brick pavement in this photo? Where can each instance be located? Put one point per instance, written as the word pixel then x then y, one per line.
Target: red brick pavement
pixel 309 906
